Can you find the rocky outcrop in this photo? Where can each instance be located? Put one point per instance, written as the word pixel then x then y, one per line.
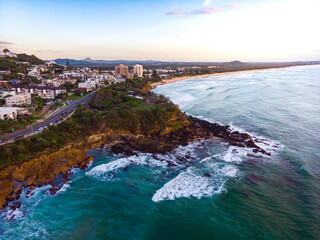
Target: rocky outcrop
pixel 52 169
pixel 194 129
pixel 225 133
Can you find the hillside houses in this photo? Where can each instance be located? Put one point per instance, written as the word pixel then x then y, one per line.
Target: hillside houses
pixel 45 92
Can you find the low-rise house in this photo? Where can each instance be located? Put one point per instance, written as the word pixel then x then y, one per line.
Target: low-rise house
pixel 164 75
pixel 165 71
pixel 50 63
pixel 7 54
pixel 5 72
pixel 46 92
pixel 11 112
pixel 57 82
pixel 74 75
pixel 14 81
pixel 6 92
pixel 3 84
pixel 19 100
pixel 34 72
pixel 42 68
pixel 90 84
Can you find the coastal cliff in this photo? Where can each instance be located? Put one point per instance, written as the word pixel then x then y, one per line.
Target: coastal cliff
pixel 55 168
pixel 124 119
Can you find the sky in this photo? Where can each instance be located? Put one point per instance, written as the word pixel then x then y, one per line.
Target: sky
pixel 167 30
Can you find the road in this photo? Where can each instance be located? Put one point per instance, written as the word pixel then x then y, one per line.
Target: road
pixel 55 117
pixel 150 101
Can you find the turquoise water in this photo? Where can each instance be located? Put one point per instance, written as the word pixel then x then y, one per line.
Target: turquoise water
pixel 222 193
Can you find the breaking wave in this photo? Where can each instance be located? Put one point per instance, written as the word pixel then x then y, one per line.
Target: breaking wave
pixel 196 183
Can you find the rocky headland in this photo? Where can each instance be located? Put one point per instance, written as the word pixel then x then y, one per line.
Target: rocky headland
pixel 115 119
pixel 54 169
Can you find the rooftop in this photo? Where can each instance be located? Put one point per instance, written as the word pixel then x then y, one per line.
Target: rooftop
pixel 8 109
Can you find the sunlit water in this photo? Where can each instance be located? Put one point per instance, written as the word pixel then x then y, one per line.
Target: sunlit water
pixel 222 192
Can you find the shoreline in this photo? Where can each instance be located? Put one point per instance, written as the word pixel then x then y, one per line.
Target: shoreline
pixel 178 79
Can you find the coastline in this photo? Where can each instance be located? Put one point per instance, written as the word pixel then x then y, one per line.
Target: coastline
pixel 178 79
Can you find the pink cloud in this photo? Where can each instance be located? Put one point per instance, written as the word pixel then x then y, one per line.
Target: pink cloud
pixel 232 5
pixel 174 13
pixel 5 43
pixel 203 11
pixel 210 10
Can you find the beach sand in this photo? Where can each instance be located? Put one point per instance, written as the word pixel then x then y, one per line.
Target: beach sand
pixel 177 79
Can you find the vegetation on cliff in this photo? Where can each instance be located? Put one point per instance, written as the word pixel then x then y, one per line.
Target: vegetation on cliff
pixel 116 108
pixel 31 59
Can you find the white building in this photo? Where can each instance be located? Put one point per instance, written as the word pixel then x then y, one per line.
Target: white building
pixel 34 72
pixel 165 71
pixel 57 82
pixel 74 75
pixel 19 100
pixel 7 54
pixel 11 112
pixel 50 63
pixel 42 91
pixel 6 92
pixel 114 79
pixel 138 69
pixel 90 84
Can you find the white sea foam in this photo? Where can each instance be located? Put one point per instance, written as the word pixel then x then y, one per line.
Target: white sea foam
pixel 235 154
pixel 195 183
pixel 63 188
pixel 12 215
pixel 105 172
pixel 102 171
pixel 186 184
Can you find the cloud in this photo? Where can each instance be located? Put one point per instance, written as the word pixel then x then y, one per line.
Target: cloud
pixel 204 11
pixel 207 2
pixel 232 5
pixel 5 43
pixel 174 13
pixel 209 10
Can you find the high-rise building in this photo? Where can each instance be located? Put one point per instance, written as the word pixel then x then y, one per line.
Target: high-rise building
pixel 122 69
pixel 138 69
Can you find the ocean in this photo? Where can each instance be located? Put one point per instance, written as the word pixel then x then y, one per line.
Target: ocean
pixel 226 192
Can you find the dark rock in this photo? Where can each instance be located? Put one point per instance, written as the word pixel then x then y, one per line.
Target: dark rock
pixel 254 179
pixel 16 206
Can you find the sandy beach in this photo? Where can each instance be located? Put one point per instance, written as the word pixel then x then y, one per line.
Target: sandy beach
pixel 177 79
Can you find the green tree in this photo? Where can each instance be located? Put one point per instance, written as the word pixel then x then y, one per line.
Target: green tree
pixel 155 76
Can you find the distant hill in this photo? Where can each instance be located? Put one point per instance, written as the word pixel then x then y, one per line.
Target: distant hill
pixel 90 62
pixel 234 63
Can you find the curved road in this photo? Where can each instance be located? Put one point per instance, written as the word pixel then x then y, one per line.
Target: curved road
pixel 55 117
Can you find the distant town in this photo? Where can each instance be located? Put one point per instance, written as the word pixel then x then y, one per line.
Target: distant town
pixel 33 90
